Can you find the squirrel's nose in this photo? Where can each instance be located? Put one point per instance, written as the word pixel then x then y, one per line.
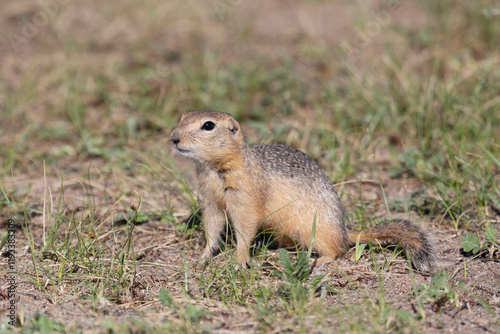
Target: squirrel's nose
pixel 174 138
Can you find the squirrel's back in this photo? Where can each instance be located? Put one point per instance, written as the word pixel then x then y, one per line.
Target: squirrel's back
pixel 287 161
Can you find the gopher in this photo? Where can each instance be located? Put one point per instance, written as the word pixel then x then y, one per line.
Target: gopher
pixel 278 189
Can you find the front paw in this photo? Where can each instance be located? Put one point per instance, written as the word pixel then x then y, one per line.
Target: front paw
pixel 205 258
pixel 241 265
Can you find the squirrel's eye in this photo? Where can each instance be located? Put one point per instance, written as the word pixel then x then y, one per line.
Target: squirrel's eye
pixel 208 126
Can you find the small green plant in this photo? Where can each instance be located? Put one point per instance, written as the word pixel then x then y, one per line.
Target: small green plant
pixel 438 291
pixel 294 273
pixel 40 323
pixel 133 215
pixel 358 249
pixel 166 216
pixel 165 297
pixel 295 292
pixel 472 243
pixel 189 224
pixel 190 315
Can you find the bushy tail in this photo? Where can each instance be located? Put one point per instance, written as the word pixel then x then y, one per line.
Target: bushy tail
pixel 410 237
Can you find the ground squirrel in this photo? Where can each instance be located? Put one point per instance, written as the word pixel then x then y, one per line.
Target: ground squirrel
pixel 275 188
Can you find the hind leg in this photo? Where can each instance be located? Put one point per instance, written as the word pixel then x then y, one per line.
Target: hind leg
pixel 330 256
pixel 329 245
pixel 320 262
pixel 326 257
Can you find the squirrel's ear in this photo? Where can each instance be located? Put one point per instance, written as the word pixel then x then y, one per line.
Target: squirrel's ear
pixel 233 126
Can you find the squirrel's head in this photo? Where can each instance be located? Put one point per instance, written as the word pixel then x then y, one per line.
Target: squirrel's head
pixel 207 136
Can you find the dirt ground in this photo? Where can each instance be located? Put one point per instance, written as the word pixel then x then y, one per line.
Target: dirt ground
pixel 165 252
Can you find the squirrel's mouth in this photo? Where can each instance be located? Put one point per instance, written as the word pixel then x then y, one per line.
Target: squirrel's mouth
pixel 181 150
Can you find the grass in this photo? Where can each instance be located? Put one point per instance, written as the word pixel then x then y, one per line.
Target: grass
pixel 100 201
pixel 72 252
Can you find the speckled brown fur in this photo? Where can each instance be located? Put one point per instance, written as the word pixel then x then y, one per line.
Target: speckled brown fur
pixel 275 188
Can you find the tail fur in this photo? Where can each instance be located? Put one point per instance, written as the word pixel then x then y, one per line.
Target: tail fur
pixel 410 237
